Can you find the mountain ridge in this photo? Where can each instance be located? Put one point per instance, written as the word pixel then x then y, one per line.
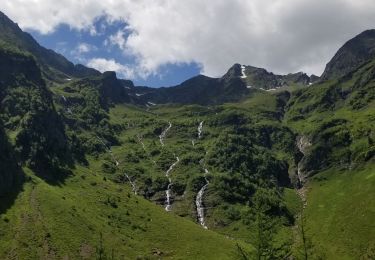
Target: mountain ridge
pixel 11 33
pixel 351 55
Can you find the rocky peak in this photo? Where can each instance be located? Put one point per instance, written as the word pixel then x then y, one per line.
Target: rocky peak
pixel 351 55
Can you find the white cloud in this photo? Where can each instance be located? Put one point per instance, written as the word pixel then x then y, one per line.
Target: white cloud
pixel 103 65
pixel 117 39
pixel 81 50
pixel 280 35
pixel 85 48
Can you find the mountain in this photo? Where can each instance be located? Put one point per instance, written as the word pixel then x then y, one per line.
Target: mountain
pixel 28 113
pixel 236 84
pixel 54 66
pixel 44 147
pixel 214 168
pixel 262 79
pixel 354 53
pixel 197 90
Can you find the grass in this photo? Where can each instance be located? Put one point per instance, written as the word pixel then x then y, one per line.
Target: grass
pixel 341 211
pixel 66 221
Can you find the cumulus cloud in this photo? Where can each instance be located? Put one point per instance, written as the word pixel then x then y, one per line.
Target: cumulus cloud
pixel 81 50
pixel 103 65
pixel 280 35
pixel 118 39
pixel 85 47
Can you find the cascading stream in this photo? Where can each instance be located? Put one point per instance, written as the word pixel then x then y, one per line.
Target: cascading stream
pixel 117 163
pixel 66 105
pixel 134 188
pixel 168 191
pixel 199 201
pixel 302 143
pixel 164 133
pixel 141 142
pixel 200 129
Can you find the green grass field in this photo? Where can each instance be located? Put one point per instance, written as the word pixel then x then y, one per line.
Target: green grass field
pixel 48 222
pixel 340 213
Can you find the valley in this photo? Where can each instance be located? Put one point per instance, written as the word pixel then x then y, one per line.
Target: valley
pixel 252 165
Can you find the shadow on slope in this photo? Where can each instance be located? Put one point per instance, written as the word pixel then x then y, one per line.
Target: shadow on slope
pixel 11 175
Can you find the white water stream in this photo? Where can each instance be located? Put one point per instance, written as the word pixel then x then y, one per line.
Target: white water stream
pixel 168 191
pixel 117 163
pixel 302 143
pixel 200 128
pixel 65 105
pixel 140 140
pixel 199 202
pixel 134 188
pixel 164 133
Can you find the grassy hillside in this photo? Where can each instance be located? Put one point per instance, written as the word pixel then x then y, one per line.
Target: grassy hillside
pixel 262 116
pixel 340 213
pixel 227 213
pixel 337 117
pixel 249 149
pixel 53 222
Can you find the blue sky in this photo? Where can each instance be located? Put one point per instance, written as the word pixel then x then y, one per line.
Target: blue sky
pixel 80 46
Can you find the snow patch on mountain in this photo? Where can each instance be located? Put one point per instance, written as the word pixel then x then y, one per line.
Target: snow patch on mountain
pixel 243 75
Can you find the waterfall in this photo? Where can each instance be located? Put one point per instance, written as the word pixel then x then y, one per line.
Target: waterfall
pixel 134 188
pixel 164 133
pixel 200 128
pixel 117 163
pixel 141 142
pixel 302 143
pixel 168 191
pixel 199 202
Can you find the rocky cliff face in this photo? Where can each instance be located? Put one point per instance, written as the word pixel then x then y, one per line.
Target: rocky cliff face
pixel 10 173
pixel 28 112
pixel 303 144
pixel 354 53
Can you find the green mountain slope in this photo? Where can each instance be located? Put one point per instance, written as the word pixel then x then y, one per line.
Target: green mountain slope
pixel 28 114
pixel 339 214
pixel 88 217
pixel 337 119
pixel 54 66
